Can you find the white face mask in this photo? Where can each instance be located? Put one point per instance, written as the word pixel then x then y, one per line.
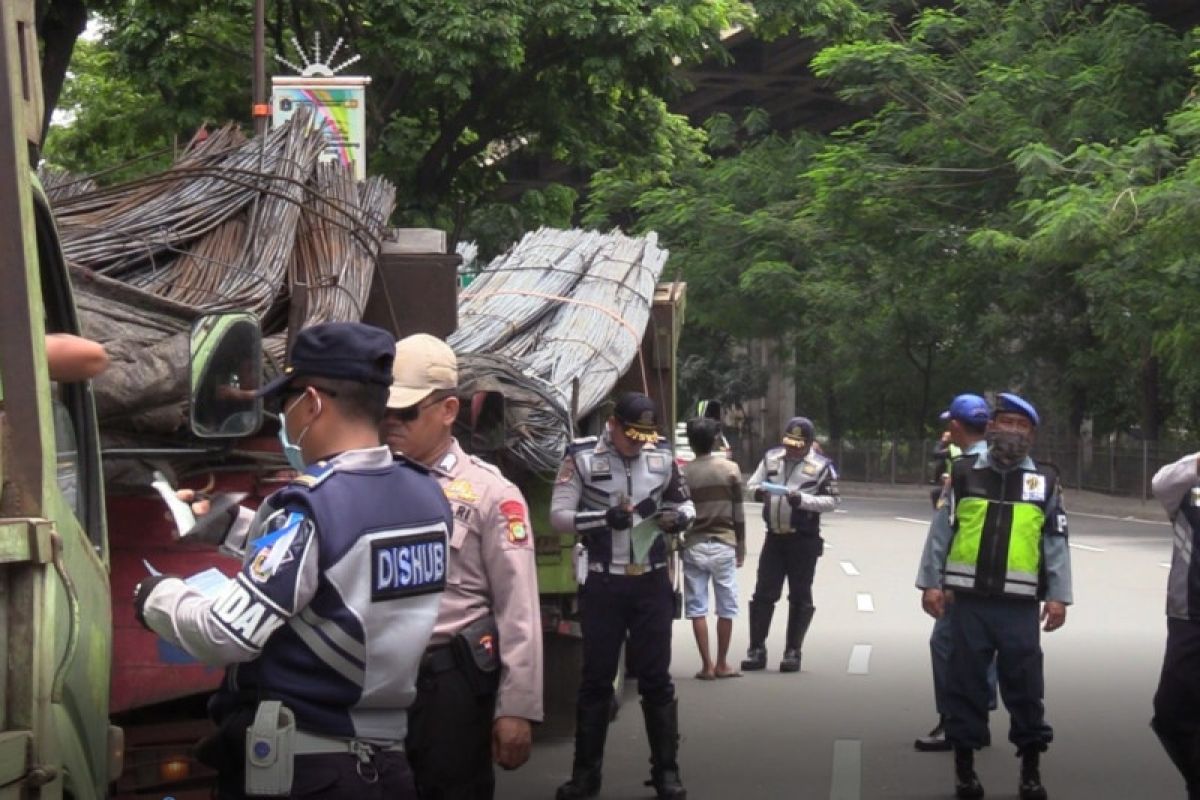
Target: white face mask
pixel 291 450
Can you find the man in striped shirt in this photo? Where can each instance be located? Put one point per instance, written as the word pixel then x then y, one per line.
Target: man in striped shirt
pixel 715 545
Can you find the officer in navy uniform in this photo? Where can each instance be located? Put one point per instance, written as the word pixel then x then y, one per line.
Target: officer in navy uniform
pixel 1001 558
pixel 1177 701
pixel 807 488
pixel 325 624
pixel 621 492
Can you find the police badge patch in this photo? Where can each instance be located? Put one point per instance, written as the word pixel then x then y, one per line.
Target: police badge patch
pixel 1034 488
pixel 518 529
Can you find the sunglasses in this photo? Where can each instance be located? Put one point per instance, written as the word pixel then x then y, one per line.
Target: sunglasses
pixel 410 413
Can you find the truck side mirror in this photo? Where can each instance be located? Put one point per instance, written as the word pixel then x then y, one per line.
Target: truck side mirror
pixel 226 370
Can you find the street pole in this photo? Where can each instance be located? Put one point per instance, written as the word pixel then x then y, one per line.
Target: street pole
pixel 260 107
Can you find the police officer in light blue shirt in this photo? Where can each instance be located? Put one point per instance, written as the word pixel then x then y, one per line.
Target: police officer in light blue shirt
pixel 325 624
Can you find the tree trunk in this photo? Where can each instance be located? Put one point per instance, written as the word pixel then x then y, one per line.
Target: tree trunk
pixel 59 24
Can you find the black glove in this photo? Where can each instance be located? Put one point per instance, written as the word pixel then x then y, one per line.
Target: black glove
pixel 141 593
pixel 618 518
pixel 795 499
pixel 759 495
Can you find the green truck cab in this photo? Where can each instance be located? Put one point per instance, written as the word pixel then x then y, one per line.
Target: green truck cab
pixel 55 608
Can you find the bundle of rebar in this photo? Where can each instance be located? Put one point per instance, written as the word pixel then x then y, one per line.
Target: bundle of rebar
pixel 562 311
pixel 234 224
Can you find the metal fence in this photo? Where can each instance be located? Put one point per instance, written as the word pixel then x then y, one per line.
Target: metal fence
pixel 1122 467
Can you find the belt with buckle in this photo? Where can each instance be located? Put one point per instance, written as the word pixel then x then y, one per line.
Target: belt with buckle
pixel 625 569
pixel 311 744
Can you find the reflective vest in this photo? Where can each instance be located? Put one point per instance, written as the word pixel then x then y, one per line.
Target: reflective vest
pixel 998 520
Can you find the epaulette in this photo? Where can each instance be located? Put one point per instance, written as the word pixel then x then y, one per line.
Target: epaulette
pixel 1048 465
pixel 314 475
pixel 488 466
pixel 400 458
pixel 775 450
pixel 582 443
pixel 663 443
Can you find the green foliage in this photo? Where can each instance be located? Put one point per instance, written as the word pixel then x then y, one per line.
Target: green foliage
pixel 1015 209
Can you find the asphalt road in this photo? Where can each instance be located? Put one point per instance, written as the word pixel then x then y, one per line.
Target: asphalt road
pixel 843 728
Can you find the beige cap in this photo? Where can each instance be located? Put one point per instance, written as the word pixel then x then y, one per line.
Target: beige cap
pixel 424 364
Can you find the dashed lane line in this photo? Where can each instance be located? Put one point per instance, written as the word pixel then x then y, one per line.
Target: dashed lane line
pixel 849 568
pixel 913 521
pixel 865 602
pixel 860 660
pixel 1165 564
pixel 847 770
pixel 1087 547
pixel 1118 519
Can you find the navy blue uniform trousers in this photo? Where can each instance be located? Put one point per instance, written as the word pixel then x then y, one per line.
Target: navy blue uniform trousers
pixel 640 607
pixel 939 654
pixel 983 628
pixel 792 556
pixel 1177 701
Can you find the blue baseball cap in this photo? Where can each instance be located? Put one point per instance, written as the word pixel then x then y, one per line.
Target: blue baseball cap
pixel 1006 402
pixel 969 408
pixel 349 351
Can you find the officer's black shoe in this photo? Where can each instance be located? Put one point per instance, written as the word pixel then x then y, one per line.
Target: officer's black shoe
pixel 756 658
pixel 790 661
pixel 966 782
pixel 935 741
pixel 662 729
pixel 591 729
pixel 1031 777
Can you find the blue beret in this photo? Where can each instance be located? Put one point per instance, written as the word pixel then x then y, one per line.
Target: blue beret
pixel 1006 402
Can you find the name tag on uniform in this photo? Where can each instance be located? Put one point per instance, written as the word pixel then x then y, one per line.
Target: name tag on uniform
pixel 808 469
pixel 405 566
pixel 600 468
pixel 656 463
pixel 1034 488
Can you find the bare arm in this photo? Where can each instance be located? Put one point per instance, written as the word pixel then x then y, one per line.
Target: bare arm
pixel 73 358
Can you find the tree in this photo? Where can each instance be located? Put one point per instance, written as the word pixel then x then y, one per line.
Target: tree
pixel 455 84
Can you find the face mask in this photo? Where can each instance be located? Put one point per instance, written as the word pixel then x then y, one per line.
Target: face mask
pixel 1007 449
pixel 291 450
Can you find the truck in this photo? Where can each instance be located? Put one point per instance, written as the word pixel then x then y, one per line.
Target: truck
pixel 94 705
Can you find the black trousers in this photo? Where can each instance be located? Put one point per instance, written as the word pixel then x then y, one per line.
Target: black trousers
pixel 614 608
pixel 981 629
pixel 450 737
pixel 1177 701
pixel 792 556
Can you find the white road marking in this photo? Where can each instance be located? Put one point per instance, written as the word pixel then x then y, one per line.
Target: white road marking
pixel 1087 547
pixel 913 521
pixel 860 660
pixel 1118 519
pixel 840 511
pixel 847 770
pixel 865 602
pixel 1165 564
pixel 849 568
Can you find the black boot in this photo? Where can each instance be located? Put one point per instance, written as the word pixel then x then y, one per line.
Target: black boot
pixel 591 729
pixel 1031 778
pixel 935 741
pixel 966 782
pixel 799 618
pixel 760 624
pixel 662 729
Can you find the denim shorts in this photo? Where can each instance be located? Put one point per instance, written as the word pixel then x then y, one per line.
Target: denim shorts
pixel 701 562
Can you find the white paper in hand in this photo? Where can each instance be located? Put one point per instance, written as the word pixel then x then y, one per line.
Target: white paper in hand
pixel 774 488
pixel 209 582
pixel 181 512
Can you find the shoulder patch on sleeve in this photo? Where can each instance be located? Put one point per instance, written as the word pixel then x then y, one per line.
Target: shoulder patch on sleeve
pixel 517 526
pixel 566 472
